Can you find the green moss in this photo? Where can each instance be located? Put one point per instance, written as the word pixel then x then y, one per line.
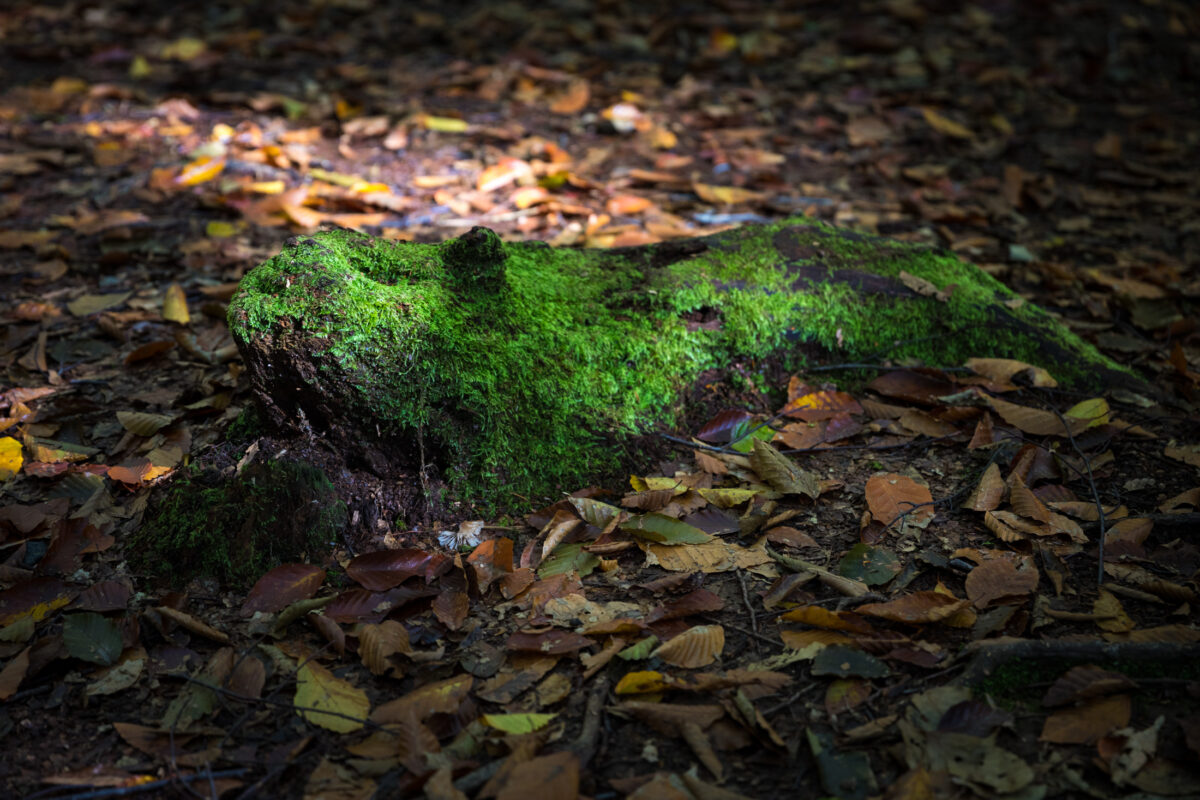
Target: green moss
pixel 518 362
pixel 1021 683
pixel 236 529
pixel 246 426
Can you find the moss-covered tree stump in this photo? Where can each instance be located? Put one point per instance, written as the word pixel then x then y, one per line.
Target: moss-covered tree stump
pixel 511 365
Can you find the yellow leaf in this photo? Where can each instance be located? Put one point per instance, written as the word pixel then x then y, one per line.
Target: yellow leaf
pixel 1093 412
pixel 219 229
pixel 946 125
pixel 200 170
pixel 1111 614
pixel 184 49
pixel 727 498
pixel 10 458
pixel 268 187
pixel 175 305
pixel 518 723
pixel 318 691
pixel 725 195
pixel 444 124
pixel 139 68
pixel 640 683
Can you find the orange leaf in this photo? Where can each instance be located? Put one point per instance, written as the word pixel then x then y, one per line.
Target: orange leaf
pixel 890 495
pixel 574 99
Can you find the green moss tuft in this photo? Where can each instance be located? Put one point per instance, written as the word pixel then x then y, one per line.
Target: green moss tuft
pixel 517 362
pixel 236 529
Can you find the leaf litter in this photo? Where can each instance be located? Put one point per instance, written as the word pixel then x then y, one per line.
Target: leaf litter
pixel 791 603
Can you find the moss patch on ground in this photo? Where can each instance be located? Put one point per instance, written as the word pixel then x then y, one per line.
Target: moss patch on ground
pixel 513 364
pixel 236 529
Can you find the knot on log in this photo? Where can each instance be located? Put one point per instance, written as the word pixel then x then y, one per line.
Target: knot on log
pixel 475 260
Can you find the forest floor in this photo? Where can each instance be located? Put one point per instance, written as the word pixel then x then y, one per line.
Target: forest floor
pixel 910 607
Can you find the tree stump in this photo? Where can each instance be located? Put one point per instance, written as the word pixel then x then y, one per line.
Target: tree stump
pixel 512 366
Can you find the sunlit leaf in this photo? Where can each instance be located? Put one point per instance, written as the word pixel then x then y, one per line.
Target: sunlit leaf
pixel 11 457
pixel 175 305
pixel 444 124
pixel 200 171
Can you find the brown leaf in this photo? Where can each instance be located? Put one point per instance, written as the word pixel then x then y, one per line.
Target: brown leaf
pixel 1087 724
pixel 890 495
pixel 1117 621
pixel 451 608
pixel 669 718
pixel 1025 502
pixel 999 578
pixel 282 586
pixel 378 643
pixel 552 777
pixel 574 99
pixel 1085 682
pixel 916 387
pixel 385 569
pixel 104 596
pixel 989 492
pixel 819 405
pixel 549 643
pixel 829 620
pixel 1035 421
pixel 490 560
pixel 694 648
pixel 441 697
pixel 1003 370
pixel 916 608
pixel 696 602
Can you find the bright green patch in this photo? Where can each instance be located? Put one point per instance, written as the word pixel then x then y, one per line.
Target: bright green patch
pixel 515 364
pixel 237 529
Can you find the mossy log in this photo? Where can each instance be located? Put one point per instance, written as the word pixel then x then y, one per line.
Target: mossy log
pixel 513 365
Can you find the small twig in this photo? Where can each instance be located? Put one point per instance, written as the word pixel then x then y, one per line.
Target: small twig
pixel 1091 481
pixel 741 576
